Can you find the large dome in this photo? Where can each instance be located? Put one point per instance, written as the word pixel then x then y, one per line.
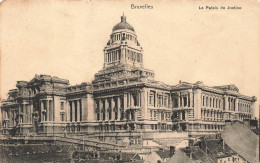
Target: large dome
pixel 123 25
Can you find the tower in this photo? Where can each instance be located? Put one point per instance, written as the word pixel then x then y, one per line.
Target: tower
pixel 123 55
pixel 123 46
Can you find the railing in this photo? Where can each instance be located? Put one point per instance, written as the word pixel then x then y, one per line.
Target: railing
pixel 80 141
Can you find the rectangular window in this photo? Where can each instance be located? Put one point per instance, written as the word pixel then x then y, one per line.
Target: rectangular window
pixel 62 106
pixel 62 117
pixel 166 101
pixel 160 100
pixel 151 99
pixel 98 116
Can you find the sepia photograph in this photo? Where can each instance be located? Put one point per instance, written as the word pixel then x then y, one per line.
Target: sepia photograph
pixel 114 81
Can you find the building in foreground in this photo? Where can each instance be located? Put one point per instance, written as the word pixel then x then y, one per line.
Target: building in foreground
pixel 123 103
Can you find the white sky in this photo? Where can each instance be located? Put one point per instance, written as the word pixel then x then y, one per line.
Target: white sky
pixel 180 42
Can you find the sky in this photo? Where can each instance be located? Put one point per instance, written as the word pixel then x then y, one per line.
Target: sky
pixel 181 42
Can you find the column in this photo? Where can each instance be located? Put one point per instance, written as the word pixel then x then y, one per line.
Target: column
pixel 179 101
pixel 31 112
pixel 186 115
pixel 41 109
pixel 28 113
pixel 159 115
pixel 156 99
pixel 144 103
pixel 191 99
pixel 100 109
pixel 197 104
pixel 128 100
pixel 170 101
pixel 72 111
pixel 24 113
pixel 106 107
pixel 78 111
pixel 125 101
pixel 139 99
pixel 112 109
pixel 68 111
pixel 135 115
pixel 47 109
pixel 50 110
pixel 187 101
pixel 236 105
pixel 182 101
pixel 180 115
pixel 118 108
pixel 226 103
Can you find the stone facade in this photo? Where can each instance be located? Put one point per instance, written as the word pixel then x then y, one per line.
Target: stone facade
pixel 123 99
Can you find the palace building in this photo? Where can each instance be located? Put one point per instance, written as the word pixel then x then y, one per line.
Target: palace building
pixel 122 100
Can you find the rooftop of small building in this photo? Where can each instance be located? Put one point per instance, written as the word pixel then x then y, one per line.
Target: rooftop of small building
pixel 241 139
pixel 180 157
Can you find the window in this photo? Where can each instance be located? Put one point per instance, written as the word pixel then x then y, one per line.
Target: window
pixel 160 100
pixel 176 102
pixel 166 101
pixel 109 115
pixel 185 101
pixel 162 116
pixel 151 99
pixel 98 116
pixel 62 117
pixel 116 115
pixel 62 105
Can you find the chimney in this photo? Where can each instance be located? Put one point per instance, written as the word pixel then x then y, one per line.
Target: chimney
pixel 223 143
pixel 172 151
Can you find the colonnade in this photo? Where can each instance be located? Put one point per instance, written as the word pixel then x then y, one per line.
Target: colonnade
pixel 159 100
pixel 118 107
pixel 9 115
pixel 213 102
pixel 213 115
pixel 244 116
pixel 75 111
pixel 25 113
pixel 47 110
pixel 160 115
pixel 185 100
pixel 183 115
pixel 244 107
pixel 113 56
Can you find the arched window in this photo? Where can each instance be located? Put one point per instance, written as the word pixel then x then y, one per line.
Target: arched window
pixel 207 101
pixel 210 102
pixel 203 101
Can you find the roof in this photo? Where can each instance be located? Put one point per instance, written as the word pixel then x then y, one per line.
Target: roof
pixel 216 150
pixel 163 153
pixel 179 157
pixel 241 139
pixel 123 25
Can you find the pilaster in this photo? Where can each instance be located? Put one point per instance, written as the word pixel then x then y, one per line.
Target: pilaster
pixel 197 104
